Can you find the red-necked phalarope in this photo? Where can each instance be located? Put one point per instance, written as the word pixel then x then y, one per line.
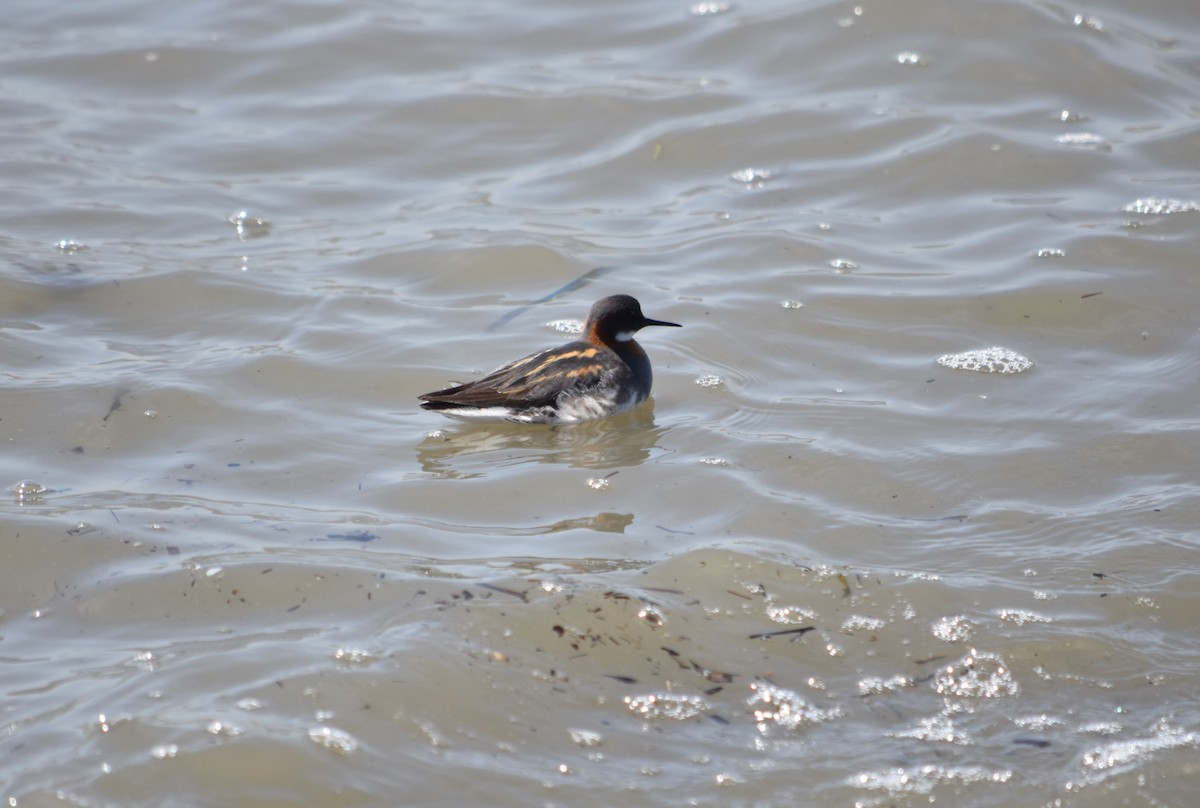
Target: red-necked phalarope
pixel 602 373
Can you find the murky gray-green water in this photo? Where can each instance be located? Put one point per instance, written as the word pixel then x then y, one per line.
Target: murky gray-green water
pixel 238 239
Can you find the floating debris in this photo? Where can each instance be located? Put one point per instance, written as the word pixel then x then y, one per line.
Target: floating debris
pixel 987 360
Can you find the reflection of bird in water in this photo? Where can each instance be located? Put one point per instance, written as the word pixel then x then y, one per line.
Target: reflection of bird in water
pixel 610 443
pixel 603 373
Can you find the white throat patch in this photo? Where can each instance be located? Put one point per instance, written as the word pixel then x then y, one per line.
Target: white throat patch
pixel 624 336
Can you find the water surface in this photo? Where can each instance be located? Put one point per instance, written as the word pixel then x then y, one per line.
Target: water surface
pixel 817 568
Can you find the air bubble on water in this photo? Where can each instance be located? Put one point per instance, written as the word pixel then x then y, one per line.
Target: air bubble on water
pixel 1037 722
pixel 585 737
pixel 223 728
pixel 958 628
pixel 598 483
pixel 146 660
pixel 1050 252
pixel 165 751
pixel 709 9
pixel 877 685
pixel 249 704
pixel 790 615
pixel 335 740
pixel 979 674
pixel 846 22
pixel 669 706
pixel 1091 23
pixel 1083 140
pixel 774 707
pixel 151 413
pixel 925 778
pixel 843 265
pixel 566 326
pixel 28 491
pixel 710 380
pixel 249 225
pixel 353 657
pixel 1125 754
pixel 1161 206
pixel 70 246
pixel 911 59
pixel 936 728
pixel 858 622
pixel 791 304
pixel 714 461
pixel 652 614
pixel 1103 728
pixel 987 360
pixel 752 177
pixel 1020 617
pixel 1069 116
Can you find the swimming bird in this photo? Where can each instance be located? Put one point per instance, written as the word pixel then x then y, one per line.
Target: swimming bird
pixel 602 373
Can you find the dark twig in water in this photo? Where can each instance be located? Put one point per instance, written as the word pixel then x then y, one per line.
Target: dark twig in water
pixel 769 635
pixel 505 591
